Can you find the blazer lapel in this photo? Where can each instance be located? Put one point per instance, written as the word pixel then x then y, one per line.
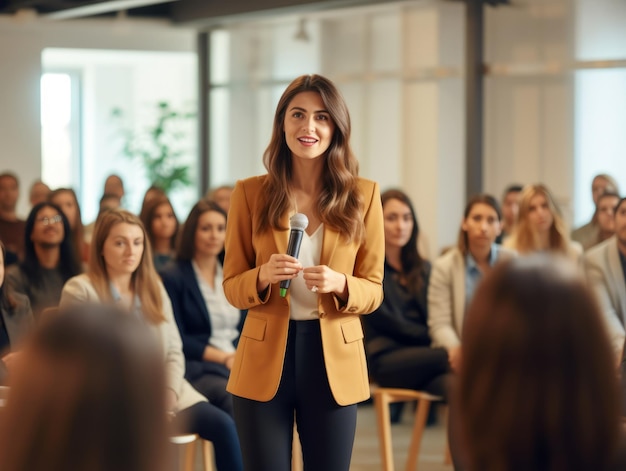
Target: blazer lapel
pixel 329 243
pixel 189 278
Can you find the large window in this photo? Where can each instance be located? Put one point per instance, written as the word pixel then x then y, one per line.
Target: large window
pixel 60 128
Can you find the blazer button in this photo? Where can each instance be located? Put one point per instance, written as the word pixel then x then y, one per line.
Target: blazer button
pixel 250 299
pixel 352 309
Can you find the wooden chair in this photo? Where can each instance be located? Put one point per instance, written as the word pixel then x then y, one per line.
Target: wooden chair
pixel 189 441
pixel 385 396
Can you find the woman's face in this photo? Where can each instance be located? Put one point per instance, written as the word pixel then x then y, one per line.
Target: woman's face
pixel 398 223
pixel 163 222
pixel 539 213
pixel 210 234
pixel 66 202
pixel 481 225
pixel 123 249
pixel 308 127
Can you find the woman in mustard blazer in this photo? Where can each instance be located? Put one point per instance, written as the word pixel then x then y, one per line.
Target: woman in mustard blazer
pixel 301 356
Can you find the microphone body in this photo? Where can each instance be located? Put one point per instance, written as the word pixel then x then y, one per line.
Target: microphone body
pixel 298 223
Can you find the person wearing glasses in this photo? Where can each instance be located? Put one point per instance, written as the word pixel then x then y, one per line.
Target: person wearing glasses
pixel 49 258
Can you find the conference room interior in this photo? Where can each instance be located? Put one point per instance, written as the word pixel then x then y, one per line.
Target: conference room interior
pixel 446 101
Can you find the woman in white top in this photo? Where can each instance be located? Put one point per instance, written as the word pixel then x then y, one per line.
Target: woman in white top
pixel 540 226
pixel 121 271
pixel 208 324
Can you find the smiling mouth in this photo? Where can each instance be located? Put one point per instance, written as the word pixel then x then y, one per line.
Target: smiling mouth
pixel 307 140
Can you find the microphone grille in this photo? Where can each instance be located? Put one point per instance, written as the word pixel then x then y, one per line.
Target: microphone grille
pixel 299 221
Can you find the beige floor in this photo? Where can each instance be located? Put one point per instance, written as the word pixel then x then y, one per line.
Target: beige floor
pixel 366 454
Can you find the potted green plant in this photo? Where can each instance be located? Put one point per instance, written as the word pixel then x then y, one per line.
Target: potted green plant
pixel 160 147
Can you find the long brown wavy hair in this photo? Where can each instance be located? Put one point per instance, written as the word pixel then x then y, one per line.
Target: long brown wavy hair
pixel 340 205
pixel 525 238
pixel 537 389
pixel 145 279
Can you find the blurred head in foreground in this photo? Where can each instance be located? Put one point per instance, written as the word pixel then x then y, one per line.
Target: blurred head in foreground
pixel 538 387
pixel 87 394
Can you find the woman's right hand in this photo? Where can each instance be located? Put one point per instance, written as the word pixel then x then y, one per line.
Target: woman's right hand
pixel 278 268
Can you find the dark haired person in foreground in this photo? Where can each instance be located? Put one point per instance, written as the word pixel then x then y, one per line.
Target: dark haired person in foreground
pixel 537 388
pixel 88 393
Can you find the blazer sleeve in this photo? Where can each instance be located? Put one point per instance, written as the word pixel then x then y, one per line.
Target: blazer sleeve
pixel 77 290
pixel 596 277
pixel 240 264
pixel 174 359
pixel 193 345
pixel 441 305
pixel 365 283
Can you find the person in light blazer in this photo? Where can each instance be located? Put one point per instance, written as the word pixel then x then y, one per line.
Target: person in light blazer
pixel 457 273
pixel 208 324
pixel 604 265
pixel 121 272
pixel 302 355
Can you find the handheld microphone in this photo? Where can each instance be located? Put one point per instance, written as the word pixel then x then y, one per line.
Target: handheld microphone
pixel 298 223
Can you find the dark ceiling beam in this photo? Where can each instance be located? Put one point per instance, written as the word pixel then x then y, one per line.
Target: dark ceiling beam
pixel 213 12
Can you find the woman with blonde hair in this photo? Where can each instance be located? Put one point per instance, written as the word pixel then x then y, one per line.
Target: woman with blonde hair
pixel 121 271
pixel 540 226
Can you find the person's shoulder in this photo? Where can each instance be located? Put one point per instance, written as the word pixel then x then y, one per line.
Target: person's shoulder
pixel 602 249
pixel 449 258
pixel 506 253
pixel 366 185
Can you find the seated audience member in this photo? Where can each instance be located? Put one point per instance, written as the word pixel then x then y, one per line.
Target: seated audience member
pixel 208 324
pixel 65 198
pixel 221 195
pixel 16 320
pixel 49 258
pixel 88 393
pixel 456 274
pixel 107 201
pixel 587 235
pixel 121 272
pixel 605 265
pixel 11 227
pixel 114 185
pixel 540 227
pixel 510 209
pixel 38 193
pixel 537 388
pixel 396 334
pixel 152 192
pixel 161 224
pixel 605 216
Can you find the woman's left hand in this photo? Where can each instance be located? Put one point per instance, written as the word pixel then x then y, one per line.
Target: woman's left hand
pixel 322 279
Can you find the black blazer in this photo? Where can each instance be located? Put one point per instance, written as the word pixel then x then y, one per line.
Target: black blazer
pixel 192 317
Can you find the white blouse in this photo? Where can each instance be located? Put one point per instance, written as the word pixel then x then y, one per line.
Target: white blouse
pixel 303 302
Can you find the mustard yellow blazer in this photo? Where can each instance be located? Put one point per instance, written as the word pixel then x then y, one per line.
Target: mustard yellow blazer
pixel 260 354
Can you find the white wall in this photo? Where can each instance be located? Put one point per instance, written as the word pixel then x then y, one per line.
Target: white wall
pixel 21 46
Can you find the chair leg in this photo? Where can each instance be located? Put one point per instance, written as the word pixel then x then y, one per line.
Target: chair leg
pixel 207 456
pixel 381 403
pixel 421 415
pixel 190 455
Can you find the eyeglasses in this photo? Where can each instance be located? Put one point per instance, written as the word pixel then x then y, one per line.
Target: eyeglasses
pixel 53 220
